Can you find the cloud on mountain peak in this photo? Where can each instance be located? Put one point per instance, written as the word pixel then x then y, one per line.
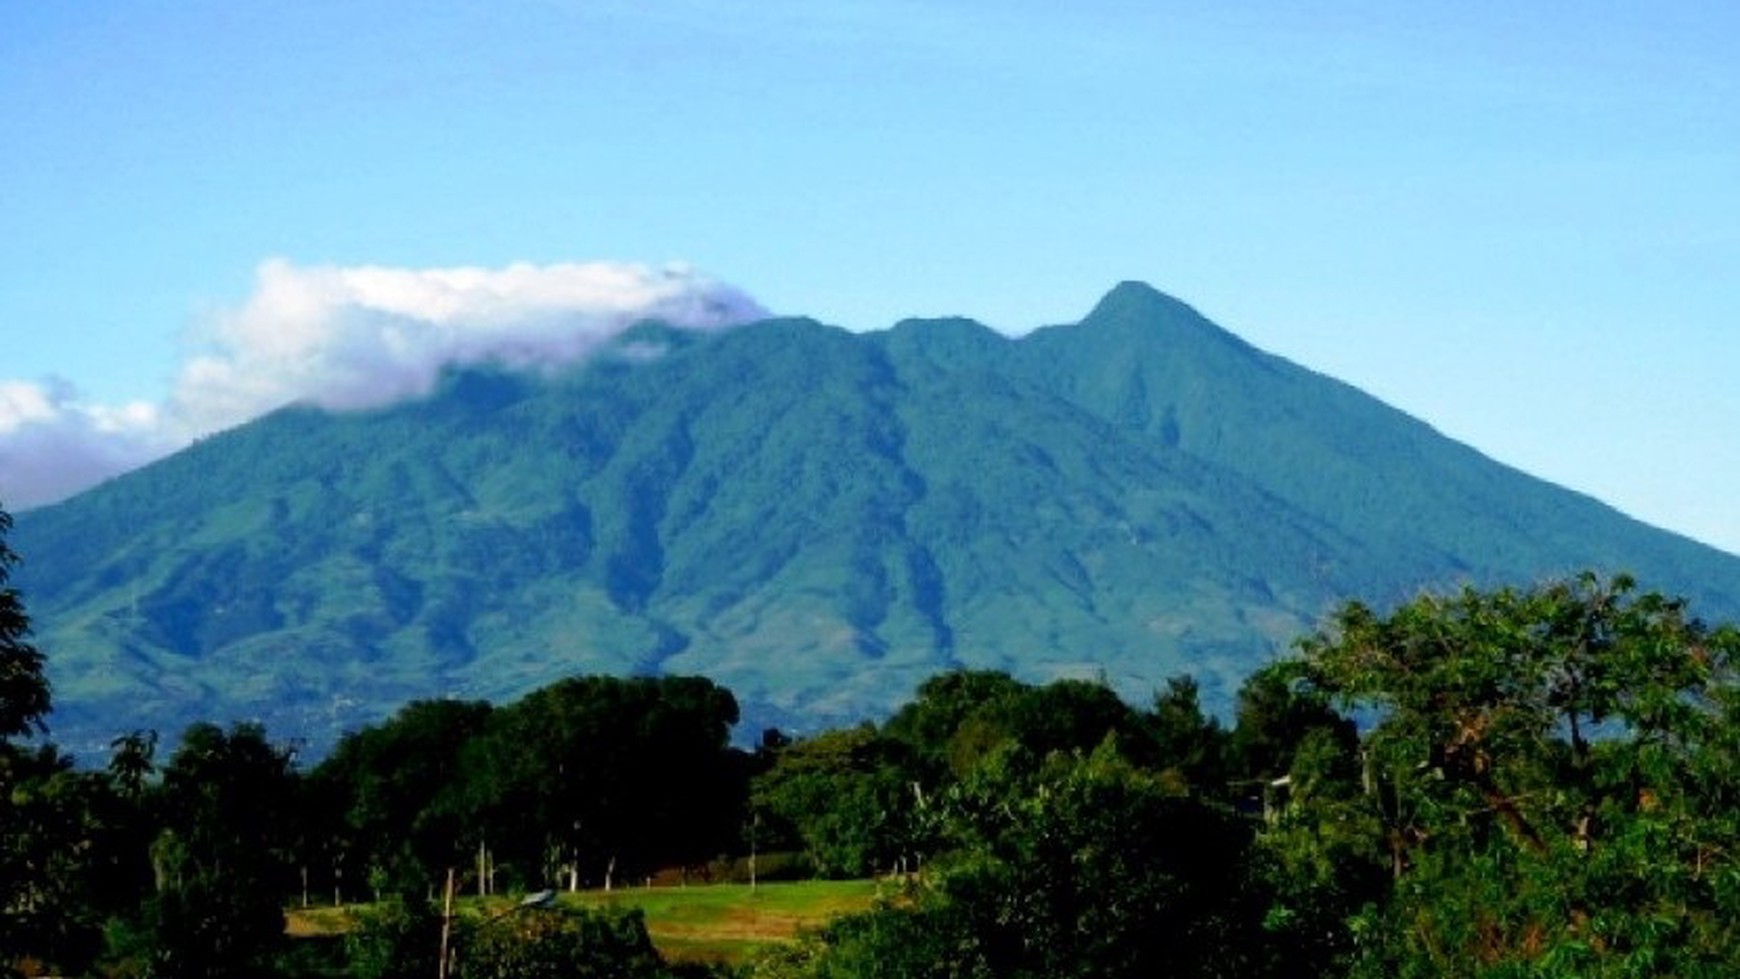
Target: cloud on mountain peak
pixel 346 337
pixel 363 336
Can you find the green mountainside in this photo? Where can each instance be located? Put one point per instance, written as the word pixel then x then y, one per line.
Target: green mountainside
pixel 814 518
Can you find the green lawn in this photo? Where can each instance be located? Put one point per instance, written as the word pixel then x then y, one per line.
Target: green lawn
pixel 706 922
pixel 726 922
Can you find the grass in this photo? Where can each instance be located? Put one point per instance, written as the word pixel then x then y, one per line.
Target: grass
pixel 322 922
pixel 701 923
pixel 727 922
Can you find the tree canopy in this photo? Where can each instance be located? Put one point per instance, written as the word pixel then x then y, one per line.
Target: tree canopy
pixel 1513 782
pixel 24 695
pixel 1554 771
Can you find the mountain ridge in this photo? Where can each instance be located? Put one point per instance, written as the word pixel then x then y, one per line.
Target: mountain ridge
pixel 816 518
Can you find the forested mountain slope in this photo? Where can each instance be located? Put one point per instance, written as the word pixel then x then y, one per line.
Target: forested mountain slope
pixel 815 518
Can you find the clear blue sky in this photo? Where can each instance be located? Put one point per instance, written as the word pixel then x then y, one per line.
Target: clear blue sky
pixel 1519 222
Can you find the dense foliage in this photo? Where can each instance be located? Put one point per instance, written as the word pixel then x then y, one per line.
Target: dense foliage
pixel 1554 772
pixel 23 690
pixel 33 783
pixel 1500 783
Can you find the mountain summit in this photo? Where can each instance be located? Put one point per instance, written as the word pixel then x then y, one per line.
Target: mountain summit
pixel 815 518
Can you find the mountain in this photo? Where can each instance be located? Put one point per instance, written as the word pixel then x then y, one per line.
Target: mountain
pixel 817 519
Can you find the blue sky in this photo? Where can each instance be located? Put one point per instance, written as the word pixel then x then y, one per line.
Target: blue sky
pixel 1520 223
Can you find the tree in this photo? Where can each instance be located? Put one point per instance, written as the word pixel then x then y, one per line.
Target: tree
pixel 600 778
pixel 1187 743
pixel 24 702
pixel 561 944
pixel 895 940
pixel 1320 854
pixel 1554 771
pixel 401 796
pixel 1275 715
pixel 397 938
pixel 65 851
pixel 952 721
pixel 24 693
pixel 960 718
pixel 1076 716
pixel 849 796
pixel 222 859
pixel 1090 866
pixel 133 762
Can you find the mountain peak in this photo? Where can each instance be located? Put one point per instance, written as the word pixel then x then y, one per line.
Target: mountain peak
pixel 1131 299
pixel 1135 312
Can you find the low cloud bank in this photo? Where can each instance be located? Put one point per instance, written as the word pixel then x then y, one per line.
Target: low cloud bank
pixel 346 338
pixel 54 444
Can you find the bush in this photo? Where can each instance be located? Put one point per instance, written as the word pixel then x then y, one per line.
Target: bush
pixel 396 940
pixel 566 944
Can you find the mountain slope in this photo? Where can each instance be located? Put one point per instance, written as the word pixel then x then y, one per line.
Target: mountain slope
pixel 817 519
pixel 1413 498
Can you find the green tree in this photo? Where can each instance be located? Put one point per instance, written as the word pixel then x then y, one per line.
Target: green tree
pixel 1187 743
pixel 1275 715
pixel 222 859
pixel 1320 856
pixel 396 938
pixel 953 719
pixel 24 693
pixel 849 796
pixel 403 805
pixel 1077 716
pixel 573 942
pixel 603 778
pixel 1094 866
pixel 960 718
pixel 65 846
pixel 1554 773
pixel 133 762
pixel 895 940
pixel 1086 865
pixel 25 853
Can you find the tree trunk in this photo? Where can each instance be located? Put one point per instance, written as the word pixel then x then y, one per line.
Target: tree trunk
pixel 446 927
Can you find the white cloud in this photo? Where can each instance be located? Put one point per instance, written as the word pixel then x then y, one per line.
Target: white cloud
pixel 53 443
pixel 366 336
pixel 346 337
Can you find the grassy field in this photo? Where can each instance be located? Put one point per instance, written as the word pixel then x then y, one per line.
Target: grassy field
pixel 710 922
pixel 726 922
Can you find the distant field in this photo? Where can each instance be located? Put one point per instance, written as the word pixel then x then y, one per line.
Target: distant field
pixel 725 922
pixel 708 922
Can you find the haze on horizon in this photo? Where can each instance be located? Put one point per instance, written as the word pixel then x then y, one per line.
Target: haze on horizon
pixel 1518 225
